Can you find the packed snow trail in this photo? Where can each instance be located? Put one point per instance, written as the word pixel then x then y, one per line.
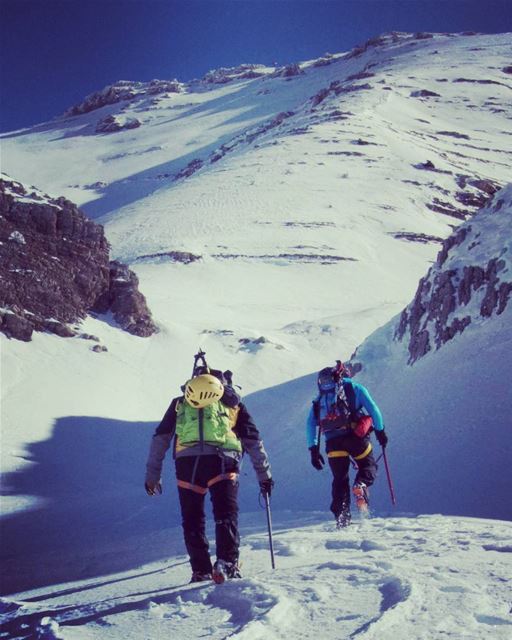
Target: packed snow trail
pixel 425 577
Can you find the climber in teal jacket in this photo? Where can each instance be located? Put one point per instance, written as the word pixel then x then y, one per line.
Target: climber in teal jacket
pixel 345 413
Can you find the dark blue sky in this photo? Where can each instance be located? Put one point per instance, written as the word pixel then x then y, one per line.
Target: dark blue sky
pixel 54 52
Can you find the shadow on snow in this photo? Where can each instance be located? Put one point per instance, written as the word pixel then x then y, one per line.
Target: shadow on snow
pixel 93 516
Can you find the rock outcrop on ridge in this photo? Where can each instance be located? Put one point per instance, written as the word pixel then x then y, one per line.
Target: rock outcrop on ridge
pixel 55 269
pixel 122 91
pixel 470 281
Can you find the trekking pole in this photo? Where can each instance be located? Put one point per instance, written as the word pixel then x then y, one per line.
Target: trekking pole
pixel 390 482
pixel 269 525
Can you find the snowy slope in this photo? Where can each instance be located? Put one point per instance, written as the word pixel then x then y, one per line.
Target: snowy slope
pixel 299 264
pixel 452 409
pixel 422 578
pixel 283 196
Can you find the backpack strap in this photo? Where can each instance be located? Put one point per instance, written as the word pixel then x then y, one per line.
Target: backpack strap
pixel 316 409
pixel 351 398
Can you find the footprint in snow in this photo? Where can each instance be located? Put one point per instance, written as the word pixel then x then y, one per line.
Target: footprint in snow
pixel 505 548
pixel 454 589
pixel 245 600
pixel 342 544
pixel 363 545
pixel 393 593
pixel 335 566
pixel 370 545
pixel 491 620
pixel 281 548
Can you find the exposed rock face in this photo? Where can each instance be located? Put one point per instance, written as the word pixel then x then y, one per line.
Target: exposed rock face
pixel 125 301
pixel 54 267
pixel 424 93
pixel 111 124
pixel 289 71
pixel 338 87
pixel 121 91
pixel 185 257
pixel 229 74
pixel 471 280
pixel 247 137
pixel 325 60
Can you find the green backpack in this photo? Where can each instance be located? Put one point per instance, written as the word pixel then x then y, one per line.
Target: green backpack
pixel 211 425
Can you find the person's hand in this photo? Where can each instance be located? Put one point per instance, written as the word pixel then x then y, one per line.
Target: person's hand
pixel 382 438
pixel 153 488
pixel 317 459
pixel 266 487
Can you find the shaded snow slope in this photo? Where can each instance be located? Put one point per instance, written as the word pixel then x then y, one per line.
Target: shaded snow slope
pixel 449 414
pixel 399 578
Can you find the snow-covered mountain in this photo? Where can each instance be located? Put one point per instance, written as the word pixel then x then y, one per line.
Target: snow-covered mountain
pixel 276 218
pixel 268 182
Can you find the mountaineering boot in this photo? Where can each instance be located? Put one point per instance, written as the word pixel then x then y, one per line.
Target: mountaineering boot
pixel 360 492
pixel 223 571
pixel 200 576
pixel 343 519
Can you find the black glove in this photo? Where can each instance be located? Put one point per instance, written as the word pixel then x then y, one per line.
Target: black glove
pixel 382 438
pixel 317 460
pixel 266 487
pixel 153 488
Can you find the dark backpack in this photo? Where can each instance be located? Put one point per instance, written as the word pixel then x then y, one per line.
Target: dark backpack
pixel 333 412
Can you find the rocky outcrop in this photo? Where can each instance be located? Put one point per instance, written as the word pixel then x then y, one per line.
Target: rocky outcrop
pixel 424 93
pixel 470 282
pixel 325 60
pixel 111 124
pixel 121 91
pixel 247 137
pixel 385 38
pixel 185 257
pixel 229 74
pixel 55 269
pixel 339 87
pixel 289 71
pixel 125 301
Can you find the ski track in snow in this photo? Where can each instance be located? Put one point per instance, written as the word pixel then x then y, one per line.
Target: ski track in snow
pixel 424 577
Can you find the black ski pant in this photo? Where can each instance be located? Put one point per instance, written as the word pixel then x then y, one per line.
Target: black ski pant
pixel 339 452
pixel 196 476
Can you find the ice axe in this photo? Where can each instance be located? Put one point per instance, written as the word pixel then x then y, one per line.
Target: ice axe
pixel 269 526
pixel 390 482
pixel 388 475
